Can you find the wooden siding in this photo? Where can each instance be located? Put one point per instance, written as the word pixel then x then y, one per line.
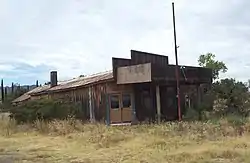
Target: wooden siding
pixel 112 87
pixel 187 74
pixel 39 97
pixel 139 57
pixel 96 99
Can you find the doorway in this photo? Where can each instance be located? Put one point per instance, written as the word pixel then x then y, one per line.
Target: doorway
pixel 120 108
pixel 168 103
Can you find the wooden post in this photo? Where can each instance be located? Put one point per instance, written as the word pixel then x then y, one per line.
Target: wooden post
pixel 91 110
pixel 92 102
pixel 133 108
pixel 90 105
pixel 198 95
pixel 198 100
pixel 158 103
pixel 107 110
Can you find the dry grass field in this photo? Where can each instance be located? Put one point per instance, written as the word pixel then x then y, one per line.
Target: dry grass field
pixel 71 141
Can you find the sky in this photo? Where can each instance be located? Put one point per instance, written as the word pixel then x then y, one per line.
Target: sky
pixel 78 37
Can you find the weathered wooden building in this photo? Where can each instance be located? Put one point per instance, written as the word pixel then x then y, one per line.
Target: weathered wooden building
pixel 142 87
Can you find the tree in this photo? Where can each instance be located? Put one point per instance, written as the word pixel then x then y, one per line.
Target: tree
pixel 12 88
pixel 2 90
pixel 208 61
pixel 235 94
pixel 37 83
pixel 248 83
pixel 228 95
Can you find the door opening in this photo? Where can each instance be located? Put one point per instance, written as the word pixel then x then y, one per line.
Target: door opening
pixel 120 108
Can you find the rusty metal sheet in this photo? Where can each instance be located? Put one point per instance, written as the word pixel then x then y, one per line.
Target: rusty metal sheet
pixel 83 81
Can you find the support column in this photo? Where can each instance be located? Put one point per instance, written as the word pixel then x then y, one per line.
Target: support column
pixel 107 110
pixel 158 103
pixel 93 103
pixel 198 94
pixel 133 108
pixel 199 100
pixel 91 110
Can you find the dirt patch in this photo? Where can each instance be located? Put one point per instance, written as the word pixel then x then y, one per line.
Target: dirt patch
pixel 8 157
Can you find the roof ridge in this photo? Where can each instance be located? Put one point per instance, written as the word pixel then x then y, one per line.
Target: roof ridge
pixel 96 74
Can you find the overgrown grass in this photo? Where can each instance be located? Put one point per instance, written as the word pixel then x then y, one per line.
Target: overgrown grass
pixel 72 141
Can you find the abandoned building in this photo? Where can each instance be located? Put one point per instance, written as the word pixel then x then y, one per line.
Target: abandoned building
pixel 142 87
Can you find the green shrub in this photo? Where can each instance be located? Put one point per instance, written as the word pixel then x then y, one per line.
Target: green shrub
pixel 191 114
pixel 236 120
pixel 46 109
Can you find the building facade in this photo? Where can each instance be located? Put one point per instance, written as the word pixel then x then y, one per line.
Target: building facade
pixel 137 89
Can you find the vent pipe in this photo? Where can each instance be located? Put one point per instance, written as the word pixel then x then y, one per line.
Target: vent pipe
pixel 53 78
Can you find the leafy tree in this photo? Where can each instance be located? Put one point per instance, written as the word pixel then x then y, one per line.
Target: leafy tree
pixel 208 61
pixel 235 95
pixel 228 95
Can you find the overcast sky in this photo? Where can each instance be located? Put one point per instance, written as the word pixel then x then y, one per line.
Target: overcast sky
pixel 80 36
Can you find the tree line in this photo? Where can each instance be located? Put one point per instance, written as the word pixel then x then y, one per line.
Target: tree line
pixel 16 90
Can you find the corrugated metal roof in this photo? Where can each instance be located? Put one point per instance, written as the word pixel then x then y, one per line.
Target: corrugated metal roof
pixel 24 97
pixel 39 89
pixel 27 95
pixel 68 84
pixel 82 81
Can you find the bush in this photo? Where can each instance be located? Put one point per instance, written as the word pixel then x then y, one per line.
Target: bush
pixel 46 109
pixel 191 114
pixel 232 97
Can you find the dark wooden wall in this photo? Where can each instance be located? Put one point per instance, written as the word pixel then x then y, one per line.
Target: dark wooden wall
pixel 187 74
pixel 139 57
pixel 161 70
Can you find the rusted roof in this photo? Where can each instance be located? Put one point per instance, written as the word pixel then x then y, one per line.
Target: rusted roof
pixel 68 84
pixel 27 95
pixel 83 81
pixel 24 97
pixel 39 89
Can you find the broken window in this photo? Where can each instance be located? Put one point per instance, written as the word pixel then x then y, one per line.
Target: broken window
pixel 114 101
pixel 126 100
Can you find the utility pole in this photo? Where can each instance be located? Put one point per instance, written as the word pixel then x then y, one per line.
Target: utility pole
pixel 176 67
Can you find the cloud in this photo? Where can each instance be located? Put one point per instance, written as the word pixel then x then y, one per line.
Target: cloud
pixel 26 74
pixel 80 36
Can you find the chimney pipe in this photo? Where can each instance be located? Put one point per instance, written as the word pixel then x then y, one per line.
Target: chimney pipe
pixel 53 78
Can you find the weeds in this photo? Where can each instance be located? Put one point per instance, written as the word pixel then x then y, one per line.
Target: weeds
pixel 8 126
pixel 194 129
pixel 72 140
